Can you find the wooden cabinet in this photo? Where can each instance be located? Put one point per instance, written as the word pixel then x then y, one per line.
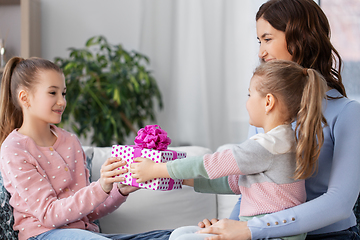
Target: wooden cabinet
pixel 26 31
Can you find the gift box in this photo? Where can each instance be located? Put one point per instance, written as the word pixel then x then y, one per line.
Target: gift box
pixel 150 143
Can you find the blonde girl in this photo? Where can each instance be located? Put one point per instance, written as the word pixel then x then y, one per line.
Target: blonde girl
pixel 43 166
pixel 268 169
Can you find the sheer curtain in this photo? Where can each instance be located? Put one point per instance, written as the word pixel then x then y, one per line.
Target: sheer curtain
pixel 202 54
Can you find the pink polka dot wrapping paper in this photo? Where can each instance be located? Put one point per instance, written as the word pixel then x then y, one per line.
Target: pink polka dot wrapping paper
pixel 127 153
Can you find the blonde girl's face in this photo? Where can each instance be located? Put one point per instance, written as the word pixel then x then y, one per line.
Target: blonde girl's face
pixel 47 100
pixel 255 104
pixel 273 44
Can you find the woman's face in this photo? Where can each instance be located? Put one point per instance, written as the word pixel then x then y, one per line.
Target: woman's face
pixel 272 42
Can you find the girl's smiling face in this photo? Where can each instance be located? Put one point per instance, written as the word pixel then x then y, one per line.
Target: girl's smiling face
pixel 272 42
pixel 47 99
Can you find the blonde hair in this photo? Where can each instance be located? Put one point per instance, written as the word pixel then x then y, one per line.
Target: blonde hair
pixel 302 92
pixel 18 73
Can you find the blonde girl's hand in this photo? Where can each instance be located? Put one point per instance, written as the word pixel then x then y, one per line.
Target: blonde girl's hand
pixel 110 171
pixel 142 169
pixel 188 182
pixel 207 223
pixel 228 229
pixel 145 169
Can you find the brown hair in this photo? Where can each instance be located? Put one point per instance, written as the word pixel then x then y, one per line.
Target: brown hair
pixel 301 91
pixel 307 33
pixel 18 73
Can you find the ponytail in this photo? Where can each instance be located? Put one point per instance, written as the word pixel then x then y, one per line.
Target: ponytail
pixel 302 92
pixel 309 127
pixel 18 73
pixel 10 112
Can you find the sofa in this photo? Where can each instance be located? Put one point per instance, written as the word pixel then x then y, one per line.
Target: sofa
pixel 146 210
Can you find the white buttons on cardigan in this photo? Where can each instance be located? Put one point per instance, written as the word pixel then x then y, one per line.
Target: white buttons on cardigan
pixel 69 148
pixel 284 221
pixel 39 156
pixel 15 154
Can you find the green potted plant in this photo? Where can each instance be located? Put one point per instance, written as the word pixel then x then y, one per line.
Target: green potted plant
pixel 110 92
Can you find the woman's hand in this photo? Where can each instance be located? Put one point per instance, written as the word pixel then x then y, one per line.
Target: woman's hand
pixel 110 171
pixel 228 229
pixel 145 169
pixel 206 223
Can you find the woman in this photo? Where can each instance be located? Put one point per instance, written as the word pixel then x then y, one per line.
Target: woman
pixel 298 30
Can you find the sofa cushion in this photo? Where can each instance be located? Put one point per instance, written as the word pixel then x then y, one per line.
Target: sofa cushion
pixel 6 215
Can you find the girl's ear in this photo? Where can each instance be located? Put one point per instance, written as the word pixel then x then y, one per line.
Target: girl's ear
pixel 269 102
pixel 24 98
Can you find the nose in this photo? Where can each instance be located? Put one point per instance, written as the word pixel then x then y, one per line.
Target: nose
pixel 262 53
pixel 61 102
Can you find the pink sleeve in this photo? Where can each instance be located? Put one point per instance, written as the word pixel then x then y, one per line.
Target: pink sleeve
pixel 114 200
pixel 233 181
pixel 221 164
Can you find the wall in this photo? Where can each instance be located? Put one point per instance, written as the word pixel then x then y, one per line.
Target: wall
pixel 69 23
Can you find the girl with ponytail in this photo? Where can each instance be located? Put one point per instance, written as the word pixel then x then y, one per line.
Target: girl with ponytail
pixel 268 169
pixel 43 166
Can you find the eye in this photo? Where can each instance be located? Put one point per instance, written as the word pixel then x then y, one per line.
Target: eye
pixel 52 93
pixel 64 94
pixel 267 39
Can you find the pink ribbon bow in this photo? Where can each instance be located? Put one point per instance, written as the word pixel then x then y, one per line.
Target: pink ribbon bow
pixel 152 137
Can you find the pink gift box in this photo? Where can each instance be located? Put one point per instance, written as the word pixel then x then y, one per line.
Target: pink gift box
pixel 128 153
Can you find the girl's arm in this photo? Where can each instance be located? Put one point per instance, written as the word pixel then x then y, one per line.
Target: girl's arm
pixel 209 166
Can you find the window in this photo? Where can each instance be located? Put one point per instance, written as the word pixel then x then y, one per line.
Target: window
pixel 344 18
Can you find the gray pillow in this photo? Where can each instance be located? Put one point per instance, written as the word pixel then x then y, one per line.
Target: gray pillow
pixel 6 214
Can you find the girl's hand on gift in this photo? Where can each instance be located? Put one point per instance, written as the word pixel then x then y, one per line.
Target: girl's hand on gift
pixel 110 171
pixel 145 169
pixel 125 190
pixel 228 229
